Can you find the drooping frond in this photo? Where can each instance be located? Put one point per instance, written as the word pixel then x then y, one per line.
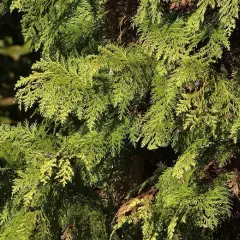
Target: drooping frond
pixel 63 26
pixel 112 79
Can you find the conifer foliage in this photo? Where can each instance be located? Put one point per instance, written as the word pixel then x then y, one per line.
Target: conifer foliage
pixel 169 79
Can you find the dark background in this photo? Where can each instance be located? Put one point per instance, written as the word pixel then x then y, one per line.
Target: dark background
pixel 11 68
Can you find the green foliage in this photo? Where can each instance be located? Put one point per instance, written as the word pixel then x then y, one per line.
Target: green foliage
pixel 177 43
pixel 37 168
pixel 112 79
pixel 25 224
pixel 190 204
pixel 183 202
pixel 62 26
pixel 99 100
pixel 88 223
pixel 4 7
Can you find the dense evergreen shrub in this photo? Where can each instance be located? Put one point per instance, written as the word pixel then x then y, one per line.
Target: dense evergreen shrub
pixel 116 78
